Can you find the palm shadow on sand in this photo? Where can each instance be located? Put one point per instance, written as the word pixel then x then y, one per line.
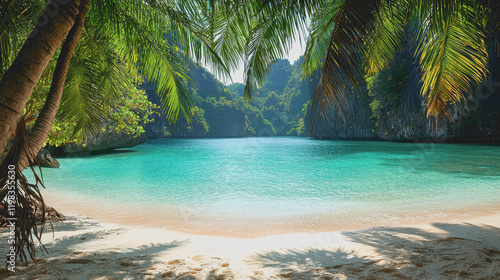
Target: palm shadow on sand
pixel 449 251
pixel 454 251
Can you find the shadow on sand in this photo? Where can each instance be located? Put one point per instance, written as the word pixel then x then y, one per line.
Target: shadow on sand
pixel 450 251
pixel 65 261
pixel 447 251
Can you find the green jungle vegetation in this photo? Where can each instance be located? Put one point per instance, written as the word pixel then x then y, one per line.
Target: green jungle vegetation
pixel 279 108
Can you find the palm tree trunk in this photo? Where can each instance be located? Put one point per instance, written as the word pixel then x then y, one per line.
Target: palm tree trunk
pixel 46 118
pixel 19 81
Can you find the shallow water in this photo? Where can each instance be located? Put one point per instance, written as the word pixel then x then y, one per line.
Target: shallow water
pixel 255 186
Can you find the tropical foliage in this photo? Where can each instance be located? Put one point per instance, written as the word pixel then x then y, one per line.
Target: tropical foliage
pixel 108 43
pixel 86 107
pixel 448 40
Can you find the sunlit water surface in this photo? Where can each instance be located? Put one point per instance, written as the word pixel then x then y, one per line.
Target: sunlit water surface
pixel 257 186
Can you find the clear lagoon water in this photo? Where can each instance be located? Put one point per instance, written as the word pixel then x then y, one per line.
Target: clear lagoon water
pixel 256 186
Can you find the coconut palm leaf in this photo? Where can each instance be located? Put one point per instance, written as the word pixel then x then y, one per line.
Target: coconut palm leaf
pixel 299 6
pixel 193 28
pixel 388 35
pixel 453 54
pixel 96 78
pixel 270 39
pixel 139 31
pixel 450 43
pixel 353 23
pixel 255 32
pixel 159 37
pixel 16 21
pixel 319 37
pixel 230 27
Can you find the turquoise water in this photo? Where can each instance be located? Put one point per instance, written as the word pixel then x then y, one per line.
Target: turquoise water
pixel 263 185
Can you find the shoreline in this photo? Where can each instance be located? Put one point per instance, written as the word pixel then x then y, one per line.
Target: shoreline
pixel 189 223
pixel 83 248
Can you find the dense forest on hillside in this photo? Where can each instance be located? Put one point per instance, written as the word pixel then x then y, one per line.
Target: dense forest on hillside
pixel 279 109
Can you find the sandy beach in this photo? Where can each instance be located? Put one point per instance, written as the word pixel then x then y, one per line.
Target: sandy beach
pixel 83 248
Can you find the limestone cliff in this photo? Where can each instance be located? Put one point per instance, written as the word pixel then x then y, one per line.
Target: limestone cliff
pixel 391 109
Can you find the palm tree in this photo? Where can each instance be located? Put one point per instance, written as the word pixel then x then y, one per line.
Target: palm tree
pixel 46 118
pixel 139 26
pixel 21 77
pixel 153 37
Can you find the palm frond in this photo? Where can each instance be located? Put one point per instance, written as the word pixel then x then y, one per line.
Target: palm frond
pixel 318 41
pixel 270 39
pixel 353 23
pixel 305 6
pixel 17 19
pixel 141 29
pixel 193 26
pixel 80 101
pixel 388 37
pixel 452 53
pixel 96 78
pixel 231 29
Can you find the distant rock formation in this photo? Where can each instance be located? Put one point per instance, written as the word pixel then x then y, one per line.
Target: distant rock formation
pixel 399 114
pixel 100 143
pixel 45 159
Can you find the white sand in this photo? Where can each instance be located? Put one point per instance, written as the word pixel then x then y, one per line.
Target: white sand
pixel 82 248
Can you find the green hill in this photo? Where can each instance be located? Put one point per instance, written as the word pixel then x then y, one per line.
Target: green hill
pixel 279 109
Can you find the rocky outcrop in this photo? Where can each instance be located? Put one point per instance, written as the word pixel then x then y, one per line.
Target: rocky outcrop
pixel 404 118
pixel 45 159
pixel 101 142
pixel 355 124
pixel 479 125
